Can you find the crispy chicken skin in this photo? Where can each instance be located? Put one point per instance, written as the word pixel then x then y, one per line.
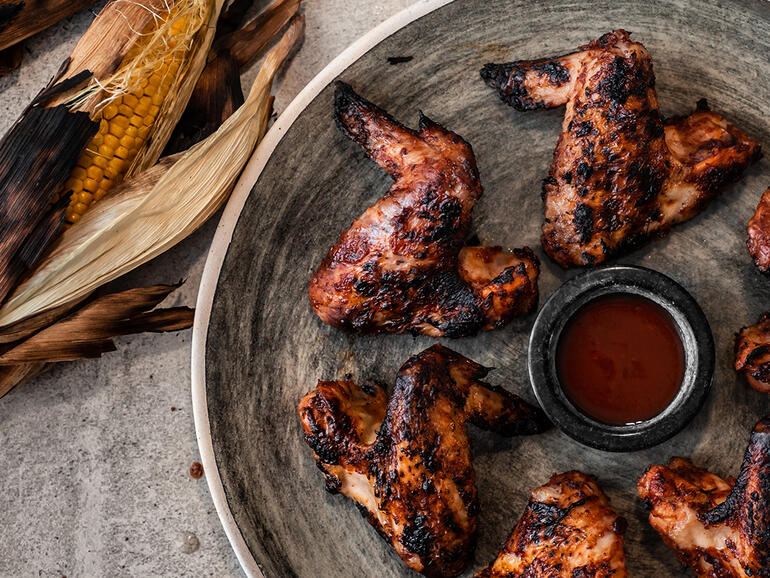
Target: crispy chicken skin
pixel 401 267
pixel 568 530
pixel 718 528
pixel 407 464
pixel 759 234
pixel 752 353
pixel 621 174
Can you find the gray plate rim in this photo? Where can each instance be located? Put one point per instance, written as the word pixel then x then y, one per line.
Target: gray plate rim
pixel 221 243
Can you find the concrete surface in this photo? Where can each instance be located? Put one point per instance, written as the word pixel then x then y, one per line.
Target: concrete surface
pixel 95 455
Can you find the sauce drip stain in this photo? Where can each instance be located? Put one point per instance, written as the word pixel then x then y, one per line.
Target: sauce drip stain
pixel 620 359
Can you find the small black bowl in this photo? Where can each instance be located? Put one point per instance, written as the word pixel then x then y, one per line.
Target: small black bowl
pixel 694 331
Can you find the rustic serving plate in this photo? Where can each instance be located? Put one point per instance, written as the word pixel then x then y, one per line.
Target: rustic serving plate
pixel 258 347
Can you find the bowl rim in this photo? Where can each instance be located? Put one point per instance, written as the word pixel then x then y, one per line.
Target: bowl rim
pixel 694 330
pixel 221 241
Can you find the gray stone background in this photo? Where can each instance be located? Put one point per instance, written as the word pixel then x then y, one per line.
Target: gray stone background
pixel 94 455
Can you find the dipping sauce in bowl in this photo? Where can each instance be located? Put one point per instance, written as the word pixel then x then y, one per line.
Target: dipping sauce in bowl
pixel 620 359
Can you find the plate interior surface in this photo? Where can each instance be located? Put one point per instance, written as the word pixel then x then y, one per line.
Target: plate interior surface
pixel 265 348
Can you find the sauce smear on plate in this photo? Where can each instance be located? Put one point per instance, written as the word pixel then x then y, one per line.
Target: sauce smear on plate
pixel 620 359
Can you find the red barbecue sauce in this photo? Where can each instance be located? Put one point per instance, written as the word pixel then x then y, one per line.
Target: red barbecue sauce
pixel 620 359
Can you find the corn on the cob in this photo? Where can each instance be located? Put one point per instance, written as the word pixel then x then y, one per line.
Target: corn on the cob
pixel 111 65
pixel 127 118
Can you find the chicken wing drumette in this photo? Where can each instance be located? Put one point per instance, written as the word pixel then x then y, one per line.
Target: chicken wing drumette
pixel 408 466
pixel 752 353
pixel 621 174
pixel 759 234
pixel 718 528
pixel 401 267
pixel 569 529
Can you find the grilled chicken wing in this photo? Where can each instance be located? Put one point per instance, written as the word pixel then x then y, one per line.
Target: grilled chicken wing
pixel 620 173
pixel 752 353
pixel 568 530
pixel 401 267
pixel 408 466
pixel 759 234
pixel 717 527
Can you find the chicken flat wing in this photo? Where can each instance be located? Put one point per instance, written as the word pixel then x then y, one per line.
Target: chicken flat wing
pixel 568 530
pixel 408 465
pixel 718 528
pixel 401 266
pixel 759 234
pixel 621 174
pixel 752 353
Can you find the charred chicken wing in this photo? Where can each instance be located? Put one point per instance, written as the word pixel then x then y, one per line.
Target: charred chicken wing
pixel 569 529
pixel 621 174
pixel 752 353
pixel 401 267
pixel 759 234
pixel 407 463
pixel 718 528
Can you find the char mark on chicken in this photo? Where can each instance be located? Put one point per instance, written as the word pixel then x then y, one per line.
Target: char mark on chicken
pixel 569 529
pixel 407 462
pixel 621 173
pixel 759 234
pixel 752 353
pixel 402 266
pixel 717 527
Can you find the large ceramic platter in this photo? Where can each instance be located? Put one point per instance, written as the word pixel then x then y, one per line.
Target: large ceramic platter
pixel 258 347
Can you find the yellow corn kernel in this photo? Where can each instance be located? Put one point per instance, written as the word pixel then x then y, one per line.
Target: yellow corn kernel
pixel 119 121
pixel 78 173
pixel 143 107
pixel 84 197
pixel 100 161
pixel 111 141
pixel 116 165
pixel 128 141
pixel 130 101
pixel 73 185
pixel 94 172
pixel 110 111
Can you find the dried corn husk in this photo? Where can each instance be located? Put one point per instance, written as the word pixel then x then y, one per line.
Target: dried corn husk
pixel 88 332
pixel 218 92
pixel 10 58
pixel 141 220
pixel 39 153
pixel 13 375
pixel 246 42
pixel 20 19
